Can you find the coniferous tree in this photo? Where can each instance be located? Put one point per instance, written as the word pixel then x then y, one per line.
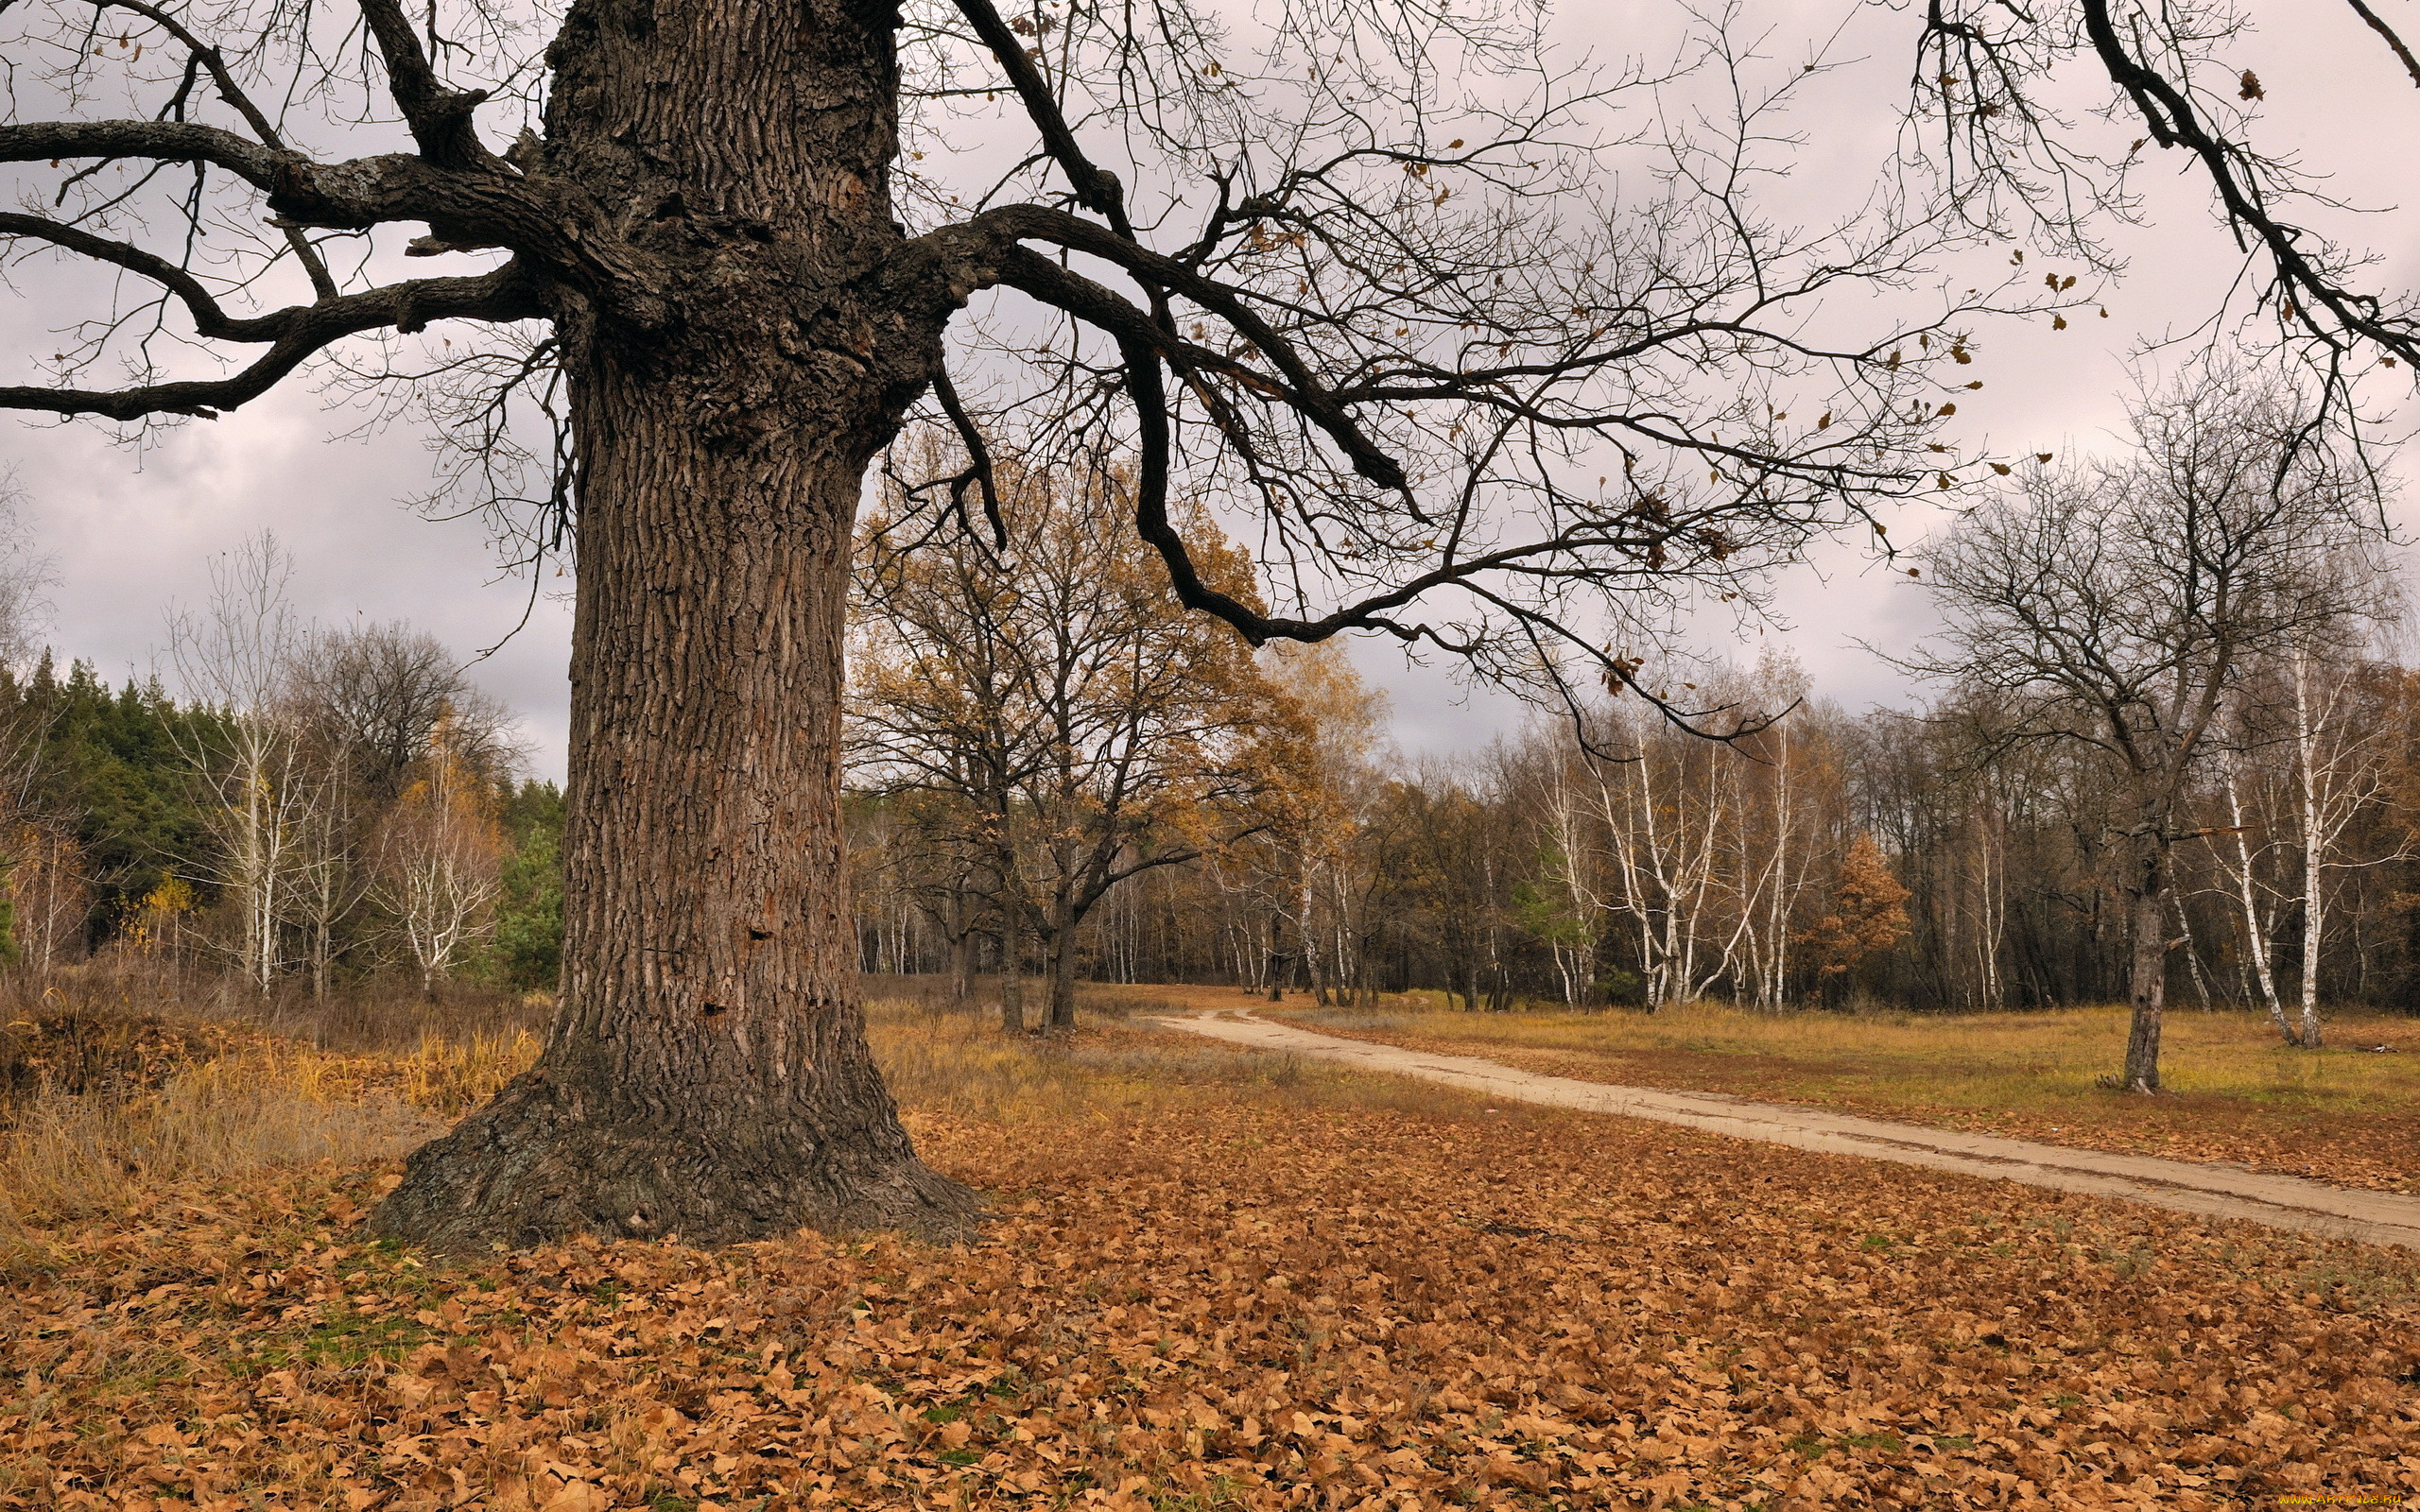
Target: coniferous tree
pixel 530 913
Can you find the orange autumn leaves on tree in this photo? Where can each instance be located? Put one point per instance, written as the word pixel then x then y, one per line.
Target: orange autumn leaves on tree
pixel 1868 914
pixel 1042 705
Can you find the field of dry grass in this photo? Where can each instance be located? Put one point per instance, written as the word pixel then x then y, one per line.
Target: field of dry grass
pixel 1212 1279
pixel 2350 1114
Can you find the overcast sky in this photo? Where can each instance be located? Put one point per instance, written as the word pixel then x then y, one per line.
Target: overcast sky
pixel 130 533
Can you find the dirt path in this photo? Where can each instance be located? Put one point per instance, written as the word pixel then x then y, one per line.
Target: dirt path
pixel 2208 1191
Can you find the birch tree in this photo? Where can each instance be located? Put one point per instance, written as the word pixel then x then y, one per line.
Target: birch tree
pixel 237 657
pixel 2310 748
pixel 441 855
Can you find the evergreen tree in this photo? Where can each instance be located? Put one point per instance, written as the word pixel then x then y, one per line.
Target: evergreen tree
pixel 107 766
pixel 528 947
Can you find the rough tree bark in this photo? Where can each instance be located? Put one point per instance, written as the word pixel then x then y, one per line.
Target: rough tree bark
pixel 958 920
pixel 708 1073
pixel 1059 1017
pixel 1012 944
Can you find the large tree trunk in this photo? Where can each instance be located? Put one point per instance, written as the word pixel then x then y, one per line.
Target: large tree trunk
pixel 2146 976
pixel 707 1074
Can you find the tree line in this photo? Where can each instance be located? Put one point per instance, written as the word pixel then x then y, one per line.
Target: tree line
pixel 303 808
pixel 1837 858
pixel 2165 724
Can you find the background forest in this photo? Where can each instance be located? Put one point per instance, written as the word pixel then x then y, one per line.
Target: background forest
pixel 285 807
pixel 1053 763
pixel 1839 858
pixel 2162 706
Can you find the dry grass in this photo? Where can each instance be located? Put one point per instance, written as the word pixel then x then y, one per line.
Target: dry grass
pixel 960 1065
pixel 100 1105
pixel 2349 1114
pixel 77 1156
pixel 107 1104
pixel 97 1102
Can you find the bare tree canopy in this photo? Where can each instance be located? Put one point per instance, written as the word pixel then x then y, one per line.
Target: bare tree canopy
pixel 2119 604
pixel 2185 75
pixel 1483 347
pixel 380 694
pixel 1477 395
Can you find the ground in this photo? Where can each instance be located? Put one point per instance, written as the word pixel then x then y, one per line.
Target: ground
pixel 1211 1280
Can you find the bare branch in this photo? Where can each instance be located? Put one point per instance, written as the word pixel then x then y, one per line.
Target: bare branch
pixel 1097 188
pixel 505 294
pixel 2377 24
pixel 209 318
pixel 200 54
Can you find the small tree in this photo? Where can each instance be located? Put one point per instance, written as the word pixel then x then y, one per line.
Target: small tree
pixel 237 658
pixel 1311 788
pixel 2116 605
pixel 439 858
pixel 49 893
pixel 375 695
pixel 1867 916
pixel 1055 684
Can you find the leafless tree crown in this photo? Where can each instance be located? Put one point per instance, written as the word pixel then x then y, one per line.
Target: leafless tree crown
pixel 1491 349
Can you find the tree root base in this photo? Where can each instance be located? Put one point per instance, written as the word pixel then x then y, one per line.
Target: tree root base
pixel 544 1163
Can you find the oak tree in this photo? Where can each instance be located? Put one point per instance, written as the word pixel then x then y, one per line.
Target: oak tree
pixel 1057 697
pixel 1365 275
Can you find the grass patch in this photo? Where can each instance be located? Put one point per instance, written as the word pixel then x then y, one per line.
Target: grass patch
pixel 343 1340
pixel 959 1064
pixel 2347 1114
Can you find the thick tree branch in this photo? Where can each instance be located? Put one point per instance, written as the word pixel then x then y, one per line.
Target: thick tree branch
pixel 1300 389
pixel 440 118
pixel 506 294
pixel 209 318
pixel 1097 188
pixel 1153 458
pixel 2378 23
pixel 255 163
pixel 554 226
pixel 2173 122
pixel 978 474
